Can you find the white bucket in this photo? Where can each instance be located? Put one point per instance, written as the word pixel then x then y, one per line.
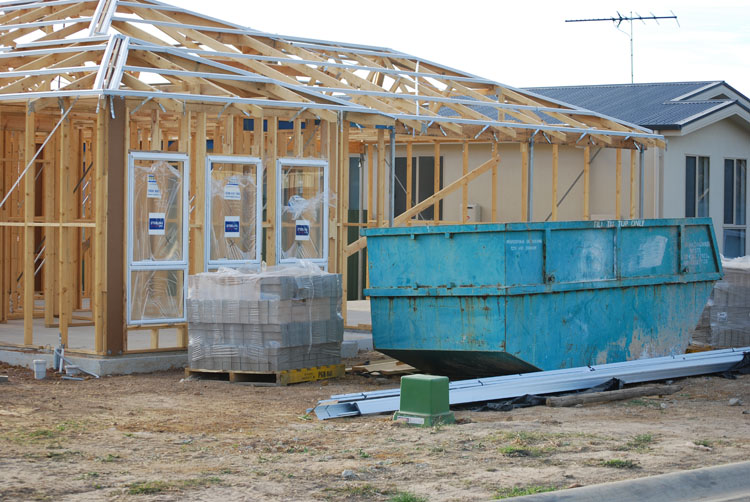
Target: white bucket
pixel 40 369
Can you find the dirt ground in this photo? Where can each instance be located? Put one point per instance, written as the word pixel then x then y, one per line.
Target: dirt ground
pixel 157 437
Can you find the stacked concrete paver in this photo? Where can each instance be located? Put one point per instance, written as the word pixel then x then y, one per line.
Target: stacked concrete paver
pixel 286 318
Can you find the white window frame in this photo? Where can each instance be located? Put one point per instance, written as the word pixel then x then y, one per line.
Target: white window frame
pixel 734 225
pixel 292 162
pixel 234 159
pixel 146 265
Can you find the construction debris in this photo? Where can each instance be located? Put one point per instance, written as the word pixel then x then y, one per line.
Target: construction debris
pixel 65 367
pixel 547 382
pixel 387 367
pixel 613 395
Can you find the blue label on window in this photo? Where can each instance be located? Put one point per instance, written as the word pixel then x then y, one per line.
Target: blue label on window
pixel 302 230
pixel 231 227
pixel 156 223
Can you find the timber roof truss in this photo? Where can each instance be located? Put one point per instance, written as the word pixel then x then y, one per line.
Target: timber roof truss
pixel 150 51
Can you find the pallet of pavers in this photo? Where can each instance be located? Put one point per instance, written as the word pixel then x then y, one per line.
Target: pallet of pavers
pixel 725 321
pixel 279 326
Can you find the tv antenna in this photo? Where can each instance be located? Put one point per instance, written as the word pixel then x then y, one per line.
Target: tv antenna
pixel 618 21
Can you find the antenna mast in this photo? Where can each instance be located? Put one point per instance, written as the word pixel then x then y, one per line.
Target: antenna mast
pixel 618 21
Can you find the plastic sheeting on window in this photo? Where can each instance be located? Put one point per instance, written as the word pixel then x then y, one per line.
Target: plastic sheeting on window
pixel 157 212
pixel 233 213
pixel 286 317
pixel 156 294
pixel 303 226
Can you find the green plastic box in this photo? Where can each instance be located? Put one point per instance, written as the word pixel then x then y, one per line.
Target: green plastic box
pixel 424 401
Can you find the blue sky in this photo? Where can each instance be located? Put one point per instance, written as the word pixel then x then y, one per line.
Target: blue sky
pixel 526 43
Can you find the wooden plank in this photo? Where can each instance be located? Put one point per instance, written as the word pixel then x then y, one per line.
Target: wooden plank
pixel 297 139
pixel 114 300
pixel 495 188
pixel 465 188
pixel 633 153
pixel 586 182
pixel 555 161
pixel 344 216
pixel 257 148
pixel 154 338
pixel 370 182
pixel 271 157
pixel 29 205
pixel 524 181
pixel 4 236
pixel 613 395
pixel 199 168
pixel 50 234
pixel 99 235
pixel 381 178
pixel 618 184
pixel 409 175
pixel 388 367
pixel 156 139
pixel 436 181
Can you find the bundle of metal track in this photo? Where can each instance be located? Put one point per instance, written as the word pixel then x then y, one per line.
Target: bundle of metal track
pixel 542 382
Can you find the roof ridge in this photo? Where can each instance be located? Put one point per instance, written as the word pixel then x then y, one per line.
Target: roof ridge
pixel 640 84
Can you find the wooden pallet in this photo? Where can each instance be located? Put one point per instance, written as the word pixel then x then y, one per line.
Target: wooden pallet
pixel 284 377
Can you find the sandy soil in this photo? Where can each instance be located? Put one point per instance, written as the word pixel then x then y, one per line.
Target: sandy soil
pixel 157 437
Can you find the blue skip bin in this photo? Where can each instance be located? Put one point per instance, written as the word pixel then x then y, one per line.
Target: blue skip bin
pixel 493 299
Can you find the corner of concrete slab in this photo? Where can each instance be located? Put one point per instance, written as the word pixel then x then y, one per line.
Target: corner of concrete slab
pixel 102 366
pixel 363 339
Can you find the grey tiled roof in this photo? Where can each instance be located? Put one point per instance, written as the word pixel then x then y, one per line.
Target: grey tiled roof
pixel 649 105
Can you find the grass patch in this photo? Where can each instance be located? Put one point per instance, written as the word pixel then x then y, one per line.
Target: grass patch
pixel 363 454
pixel 41 434
pixel 519 451
pixel 147 487
pixel 62 455
pixel 518 491
pixel 617 463
pixel 640 442
pixel 151 487
pixel 704 442
pixel 407 497
pixel 109 458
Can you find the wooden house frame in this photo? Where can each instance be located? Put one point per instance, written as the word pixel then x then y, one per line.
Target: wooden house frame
pixel 90 88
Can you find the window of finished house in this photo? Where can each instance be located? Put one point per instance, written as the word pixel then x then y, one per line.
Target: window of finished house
pixel 696 186
pixel 735 207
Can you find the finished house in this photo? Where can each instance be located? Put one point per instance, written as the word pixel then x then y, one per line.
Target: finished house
pixel 703 169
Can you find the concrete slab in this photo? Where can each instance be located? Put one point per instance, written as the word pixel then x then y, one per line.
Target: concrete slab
pixel 354 342
pixel 725 483
pixel 120 365
pixel 349 349
pixel 362 338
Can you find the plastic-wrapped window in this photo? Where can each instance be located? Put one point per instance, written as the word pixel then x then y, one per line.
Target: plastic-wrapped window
pixel 157 294
pixel 233 213
pixel 157 211
pixel 157 237
pixel 303 223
